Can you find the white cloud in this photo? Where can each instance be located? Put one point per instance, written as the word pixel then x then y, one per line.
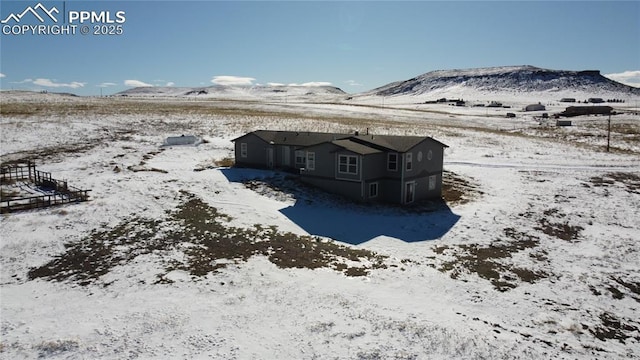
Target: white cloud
pixel 107 84
pixel 275 84
pixel 313 83
pixel 2 75
pixel 170 83
pixel 353 83
pixel 136 83
pixel 232 80
pixel 22 82
pixel 631 78
pixel 51 83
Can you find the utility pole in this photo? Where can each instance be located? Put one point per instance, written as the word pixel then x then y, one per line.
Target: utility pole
pixel 608 131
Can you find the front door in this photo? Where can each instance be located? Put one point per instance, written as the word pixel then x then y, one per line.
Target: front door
pixel 286 156
pixel 269 157
pixel 409 192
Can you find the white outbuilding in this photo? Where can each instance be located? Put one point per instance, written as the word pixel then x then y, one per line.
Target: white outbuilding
pixel 182 140
pixel 534 107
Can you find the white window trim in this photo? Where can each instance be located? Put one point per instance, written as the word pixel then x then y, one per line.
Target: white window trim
pixel 377 187
pixel 389 161
pixel 348 165
pixel 311 160
pixel 243 150
pixel 433 180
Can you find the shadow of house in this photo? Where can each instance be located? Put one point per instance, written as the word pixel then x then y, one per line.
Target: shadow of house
pixel 356 226
pixel 337 217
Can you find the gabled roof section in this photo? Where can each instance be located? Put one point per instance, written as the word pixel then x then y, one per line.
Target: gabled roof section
pixel 394 142
pixel 295 138
pixel 361 144
pixel 355 147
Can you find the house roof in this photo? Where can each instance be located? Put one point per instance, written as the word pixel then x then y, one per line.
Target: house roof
pixel 361 144
pixel 295 138
pixel 394 142
pixel 358 148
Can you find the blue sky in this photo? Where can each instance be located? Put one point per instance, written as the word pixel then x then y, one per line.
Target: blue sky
pixel 354 45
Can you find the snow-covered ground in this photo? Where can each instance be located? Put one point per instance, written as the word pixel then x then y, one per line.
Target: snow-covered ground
pixel 542 261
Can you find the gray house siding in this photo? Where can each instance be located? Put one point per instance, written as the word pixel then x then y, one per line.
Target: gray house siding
pixel 325 173
pixel 348 189
pixel 324 158
pixel 426 160
pixel 256 151
pixel 375 166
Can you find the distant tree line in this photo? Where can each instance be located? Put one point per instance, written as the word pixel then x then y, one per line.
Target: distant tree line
pixel 608 100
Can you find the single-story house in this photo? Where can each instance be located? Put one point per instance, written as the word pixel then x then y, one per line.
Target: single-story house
pixel 587 110
pixel 387 168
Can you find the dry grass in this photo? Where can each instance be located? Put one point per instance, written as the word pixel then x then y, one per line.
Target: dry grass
pixel 225 162
pixel 629 181
pixel 457 190
pixel 491 262
pixel 614 328
pixel 209 244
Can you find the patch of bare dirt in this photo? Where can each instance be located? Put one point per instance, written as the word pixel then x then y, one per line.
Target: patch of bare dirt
pixel 629 181
pixel 491 262
pixel 209 244
pixel 457 190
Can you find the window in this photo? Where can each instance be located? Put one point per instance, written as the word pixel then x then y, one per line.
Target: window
pixel 408 161
pixel 243 150
pixel 311 161
pixel 392 162
pixel 373 190
pixel 300 159
pixel 432 182
pixel 348 164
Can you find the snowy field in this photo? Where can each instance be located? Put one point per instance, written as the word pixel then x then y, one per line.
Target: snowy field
pixel 178 256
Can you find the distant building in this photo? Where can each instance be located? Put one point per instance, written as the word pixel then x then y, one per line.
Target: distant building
pixel 395 169
pixel 534 107
pixel 586 110
pixel 569 100
pixel 181 140
pixel 595 100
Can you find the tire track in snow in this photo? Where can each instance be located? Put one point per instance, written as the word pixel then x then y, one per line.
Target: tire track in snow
pixel 627 168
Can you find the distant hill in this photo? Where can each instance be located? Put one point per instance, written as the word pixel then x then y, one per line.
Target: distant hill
pixel 509 79
pixel 265 92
